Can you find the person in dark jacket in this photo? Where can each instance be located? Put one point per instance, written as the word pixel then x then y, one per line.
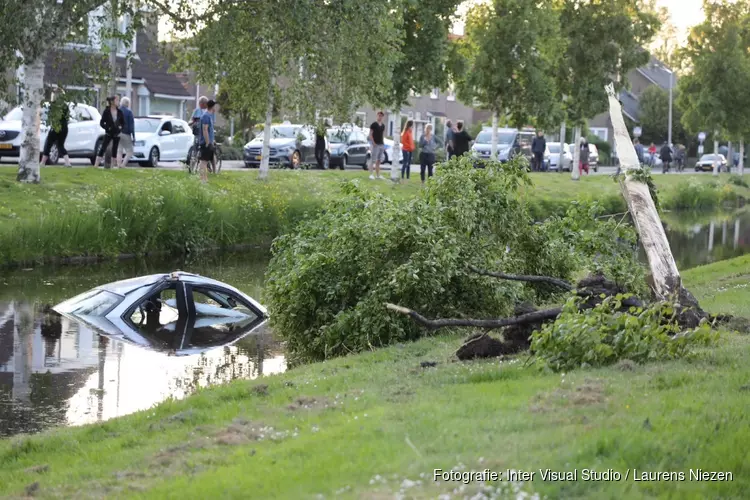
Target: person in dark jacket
pixel 538 147
pixel 461 140
pixel 320 143
pixel 112 122
pixel 666 157
pixel 127 137
pixel 58 118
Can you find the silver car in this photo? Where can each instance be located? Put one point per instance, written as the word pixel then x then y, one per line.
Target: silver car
pixel 181 313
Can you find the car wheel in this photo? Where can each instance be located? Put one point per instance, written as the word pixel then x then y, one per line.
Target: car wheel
pixel 326 161
pixel 344 161
pixel 97 147
pixel 367 161
pixel 296 160
pixel 54 155
pixel 153 157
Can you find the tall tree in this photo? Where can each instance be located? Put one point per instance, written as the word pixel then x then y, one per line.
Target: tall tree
pixel 510 52
pixel 714 93
pixel 654 117
pixel 605 40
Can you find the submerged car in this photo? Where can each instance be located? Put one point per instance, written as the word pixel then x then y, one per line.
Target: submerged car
pixel 179 312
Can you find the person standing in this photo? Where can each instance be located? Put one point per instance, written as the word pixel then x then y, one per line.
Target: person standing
pixel 538 147
pixel 112 122
pixel 651 154
pixel 59 116
pixel 461 140
pixel 127 137
pixel 427 148
pixel 377 145
pixel 206 142
pixel 585 153
pixel 666 158
pixel 320 143
pixel 407 149
pixel 639 151
pixel 195 119
pixel 450 133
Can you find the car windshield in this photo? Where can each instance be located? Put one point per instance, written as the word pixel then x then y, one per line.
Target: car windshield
pixel 93 303
pixel 146 125
pixel 709 158
pixel 485 137
pixel 15 114
pixel 337 136
pixel 554 148
pixel 284 132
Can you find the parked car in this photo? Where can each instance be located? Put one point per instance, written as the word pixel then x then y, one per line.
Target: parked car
pixel 706 162
pixel 554 150
pixel 179 312
pixel 162 138
pixel 291 146
pixel 348 147
pixel 84 133
pixel 510 142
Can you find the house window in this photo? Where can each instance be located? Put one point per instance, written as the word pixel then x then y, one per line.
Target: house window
pixel 360 119
pixel 435 93
pixel 79 33
pixel 601 133
pixel 451 94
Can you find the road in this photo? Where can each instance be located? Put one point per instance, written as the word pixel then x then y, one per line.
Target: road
pixel 239 165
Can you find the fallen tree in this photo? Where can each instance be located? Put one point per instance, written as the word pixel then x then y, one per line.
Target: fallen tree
pixel 684 312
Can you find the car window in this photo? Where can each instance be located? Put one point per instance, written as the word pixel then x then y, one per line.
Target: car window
pixel 167 126
pixel 177 128
pixel 95 304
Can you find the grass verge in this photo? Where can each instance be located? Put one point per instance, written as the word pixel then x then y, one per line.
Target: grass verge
pixel 86 212
pixel 377 424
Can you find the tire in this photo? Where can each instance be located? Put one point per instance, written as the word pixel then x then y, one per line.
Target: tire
pixel 190 154
pixel 217 162
pixel 97 146
pixel 326 161
pixel 296 160
pixel 54 155
pixel 367 160
pixel 344 162
pixel 153 157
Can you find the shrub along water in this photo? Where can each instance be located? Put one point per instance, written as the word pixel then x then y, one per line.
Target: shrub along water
pixel 328 281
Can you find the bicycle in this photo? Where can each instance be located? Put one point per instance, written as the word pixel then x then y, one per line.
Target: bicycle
pixel 214 166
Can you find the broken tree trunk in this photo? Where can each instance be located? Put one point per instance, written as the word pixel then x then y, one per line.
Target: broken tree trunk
pixel 666 277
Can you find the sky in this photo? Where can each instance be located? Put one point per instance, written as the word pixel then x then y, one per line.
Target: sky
pixel 684 13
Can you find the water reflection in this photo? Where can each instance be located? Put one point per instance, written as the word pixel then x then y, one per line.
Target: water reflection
pixel 54 371
pixel 698 239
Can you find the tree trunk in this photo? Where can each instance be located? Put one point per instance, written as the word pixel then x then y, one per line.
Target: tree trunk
pixel 396 160
pixel 730 156
pixel 716 153
pixel 493 150
pixel 575 169
pixel 562 147
pixel 741 166
pixel 266 148
pixel 113 43
pixel 33 84
pixel 711 227
pixel 666 277
pixel 736 234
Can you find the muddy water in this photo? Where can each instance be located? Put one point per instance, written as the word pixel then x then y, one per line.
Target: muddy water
pixel 54 372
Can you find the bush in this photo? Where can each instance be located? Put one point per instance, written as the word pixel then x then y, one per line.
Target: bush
pixel 231 153
pixel 603 335
pixel 327 282
pixel 738 181
pixel 693 195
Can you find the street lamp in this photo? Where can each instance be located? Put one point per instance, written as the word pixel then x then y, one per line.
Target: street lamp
pixel 671 86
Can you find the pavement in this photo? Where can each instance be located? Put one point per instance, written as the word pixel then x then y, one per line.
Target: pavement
pixel 239 165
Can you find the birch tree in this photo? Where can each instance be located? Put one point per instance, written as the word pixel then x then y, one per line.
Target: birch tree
pixel 713 94
pixel 604 40
pixel 511 56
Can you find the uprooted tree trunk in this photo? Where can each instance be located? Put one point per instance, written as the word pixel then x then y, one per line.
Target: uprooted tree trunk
pixel 665 280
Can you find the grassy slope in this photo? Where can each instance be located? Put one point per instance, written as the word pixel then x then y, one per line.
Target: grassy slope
pixel 162 210
pixel 367 425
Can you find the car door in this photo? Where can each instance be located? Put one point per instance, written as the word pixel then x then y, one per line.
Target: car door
pixel 306 146
pixel 182 139
pixel 88 130
pixel 360 147
pixel 166 142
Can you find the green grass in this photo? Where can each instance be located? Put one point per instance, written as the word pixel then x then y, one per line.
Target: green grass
pixel 373 424
pixel 86 212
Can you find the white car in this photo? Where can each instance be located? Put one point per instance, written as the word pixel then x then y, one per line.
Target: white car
pixel 554 159
pixel 162 138
pixel 84 133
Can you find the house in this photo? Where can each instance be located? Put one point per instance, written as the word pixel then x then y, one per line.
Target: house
pixel 83 65
pixel 639 79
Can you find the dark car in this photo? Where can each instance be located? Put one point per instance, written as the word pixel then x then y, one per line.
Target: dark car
pixel 292 146
pixel 348 147
pixel 510 142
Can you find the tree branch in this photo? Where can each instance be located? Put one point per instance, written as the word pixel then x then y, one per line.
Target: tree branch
pixel 519 277
pixel 434 324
